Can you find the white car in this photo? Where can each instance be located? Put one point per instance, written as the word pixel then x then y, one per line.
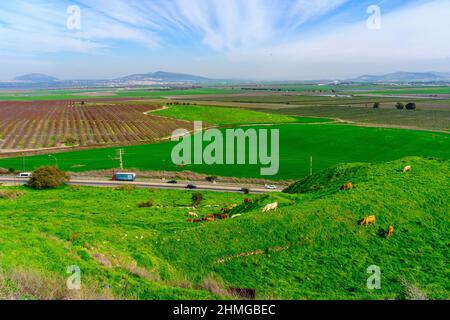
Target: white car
pixel 25 175
pixel 271 187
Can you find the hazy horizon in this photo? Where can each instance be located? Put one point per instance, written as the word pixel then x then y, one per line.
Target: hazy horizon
pixel 271 40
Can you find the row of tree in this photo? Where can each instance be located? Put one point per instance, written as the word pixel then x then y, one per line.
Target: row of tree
pixel 399 106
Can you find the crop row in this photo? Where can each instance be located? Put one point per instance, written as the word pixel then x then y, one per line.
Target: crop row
pixel 47 124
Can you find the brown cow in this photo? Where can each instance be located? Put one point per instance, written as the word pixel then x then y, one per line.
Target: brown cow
pixel 390 232
pixel 369 220
pixel 347 186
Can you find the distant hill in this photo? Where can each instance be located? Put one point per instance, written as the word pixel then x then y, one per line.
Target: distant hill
pixel 162 76
pixel 405 77
pixel 36 78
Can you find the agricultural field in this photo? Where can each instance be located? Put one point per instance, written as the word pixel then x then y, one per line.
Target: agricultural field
pixel 46 124
pixel 429 119
pixel 329 144
pixel 312 247
pixel 227 116
pixel 143 93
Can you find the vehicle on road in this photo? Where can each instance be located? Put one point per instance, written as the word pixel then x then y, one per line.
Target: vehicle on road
pixel 172 182
pixel 271 187
pixel 191 186
pixel 24 175
pixel 124 176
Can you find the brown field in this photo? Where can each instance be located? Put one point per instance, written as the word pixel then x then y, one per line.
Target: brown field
pixel 55 124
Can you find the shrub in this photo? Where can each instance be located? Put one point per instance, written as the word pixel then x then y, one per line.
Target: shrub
pixel 48 177
pixel 125 187
pixel 411 106
pixel 197 198
pixel 400 106
pixel 376 105
pixel 10 194
pixel 146 204
pixel 211 179
pixel 245 190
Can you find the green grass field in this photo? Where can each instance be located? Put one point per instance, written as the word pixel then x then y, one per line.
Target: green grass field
pixel 41 95
pixel 329 144
pixel 311 248
pixel 227 116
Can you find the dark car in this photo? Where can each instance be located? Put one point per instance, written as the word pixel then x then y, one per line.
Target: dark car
pixel 172 181
pixel 191 186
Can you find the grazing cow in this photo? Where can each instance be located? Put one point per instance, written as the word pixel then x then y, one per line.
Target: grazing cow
pixel 270 207
pixel 224 216
pixel 407 169
pixel 210 219
pixel 246 200
pixel 390 232
pixel 369 220
pixel 190 220
pixel 192 214
pixel 210 215
pixel 236 216
pixel 198 221
pixel 347 186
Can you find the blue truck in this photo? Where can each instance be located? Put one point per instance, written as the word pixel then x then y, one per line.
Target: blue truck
pixel 124 176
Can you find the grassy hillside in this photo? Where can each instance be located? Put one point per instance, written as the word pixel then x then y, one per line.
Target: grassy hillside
pixel 329 144
pixel 311 248
pixel 226 116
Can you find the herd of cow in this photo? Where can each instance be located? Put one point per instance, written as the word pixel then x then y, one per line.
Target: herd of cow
pixel 372 219
pixel 194 217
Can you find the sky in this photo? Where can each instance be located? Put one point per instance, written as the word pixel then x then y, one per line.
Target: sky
pixel 224 39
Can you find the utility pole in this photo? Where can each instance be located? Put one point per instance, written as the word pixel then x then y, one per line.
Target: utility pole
pixel 121 158
pixel 55 158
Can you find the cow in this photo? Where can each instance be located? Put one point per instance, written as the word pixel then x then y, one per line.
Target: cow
pixel 407 169
pixel 192 214
pixel 390 232
pixel 190 220
pixel 270 207
pixel 236 216
pixel 198 221
pixel 347 186
pixel 369 220
pixel 224 216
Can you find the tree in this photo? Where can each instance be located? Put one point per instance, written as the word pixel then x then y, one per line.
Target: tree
pixel 47 178
pixel 400 106
pixel 411 106
pixel 376 105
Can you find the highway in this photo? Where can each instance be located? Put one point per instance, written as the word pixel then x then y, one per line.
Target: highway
pixel 99 182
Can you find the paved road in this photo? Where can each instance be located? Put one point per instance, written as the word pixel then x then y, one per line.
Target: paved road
pixel 150 185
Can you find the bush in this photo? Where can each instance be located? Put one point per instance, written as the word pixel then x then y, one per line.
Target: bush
pixel 146 204
pixel 48 177
pixel 10 194
pixel 376 105
pixel 197 198
pixel 211 179
pixel 400 106
pixel 126 187
pixel 411 106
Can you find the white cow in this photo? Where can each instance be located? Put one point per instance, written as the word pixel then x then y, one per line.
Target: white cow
pixel 192 214
pixel 407 169
pixel 236 216
pixel 270 207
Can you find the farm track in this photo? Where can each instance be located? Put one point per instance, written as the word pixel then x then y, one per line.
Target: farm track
pixel 55 124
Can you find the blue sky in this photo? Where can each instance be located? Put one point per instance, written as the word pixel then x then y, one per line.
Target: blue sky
pixel 251 39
